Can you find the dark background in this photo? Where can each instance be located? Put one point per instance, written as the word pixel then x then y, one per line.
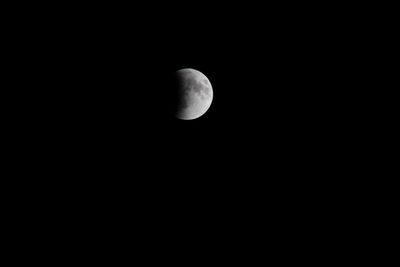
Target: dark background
pixel 99 93
pixel 101 78
pixel 270 155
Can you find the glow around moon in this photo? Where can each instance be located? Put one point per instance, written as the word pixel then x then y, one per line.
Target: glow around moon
pixel 196 94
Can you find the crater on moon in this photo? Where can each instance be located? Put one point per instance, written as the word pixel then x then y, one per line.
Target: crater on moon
pixel 192 84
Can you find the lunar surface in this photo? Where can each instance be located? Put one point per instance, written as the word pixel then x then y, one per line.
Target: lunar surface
pixel 194 92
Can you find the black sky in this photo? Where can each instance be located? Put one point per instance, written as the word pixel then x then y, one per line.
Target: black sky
pixel 278 74
pixel 101 76
pixel 271 154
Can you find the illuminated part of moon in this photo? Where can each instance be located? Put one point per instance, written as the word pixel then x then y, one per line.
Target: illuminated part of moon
pixel 196 94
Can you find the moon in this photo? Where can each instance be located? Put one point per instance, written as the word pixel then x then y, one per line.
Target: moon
pixel 195 94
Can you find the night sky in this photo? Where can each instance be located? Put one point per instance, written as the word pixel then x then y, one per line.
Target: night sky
pixel 279 75
pixel 276 140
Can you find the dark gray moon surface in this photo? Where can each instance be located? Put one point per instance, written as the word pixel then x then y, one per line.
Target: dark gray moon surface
pixel 194 93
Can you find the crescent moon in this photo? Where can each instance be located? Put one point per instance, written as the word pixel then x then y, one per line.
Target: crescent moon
pixel 195 93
